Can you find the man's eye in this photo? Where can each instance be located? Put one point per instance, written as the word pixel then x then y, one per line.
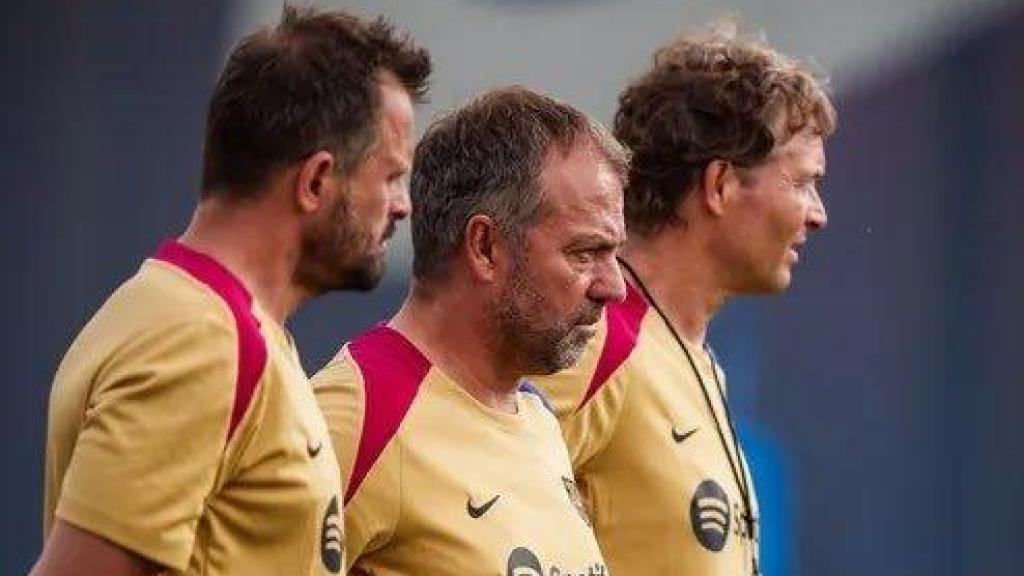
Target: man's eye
pixel 583 255
pixel 806 186
pixel 399 179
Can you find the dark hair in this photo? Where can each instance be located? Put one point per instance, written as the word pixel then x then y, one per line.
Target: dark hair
pixel 711 96
pixel 308 84
pixel 487 158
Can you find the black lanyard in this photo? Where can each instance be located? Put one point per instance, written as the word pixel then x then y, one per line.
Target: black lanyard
pixel 739 474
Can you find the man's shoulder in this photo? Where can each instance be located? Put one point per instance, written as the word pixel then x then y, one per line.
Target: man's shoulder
pixel 624 323
pixel 380 361
pixel 366 393
pixel 159 295
pixel 152 304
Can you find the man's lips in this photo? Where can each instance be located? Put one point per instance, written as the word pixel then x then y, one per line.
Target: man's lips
pixel 794 250
pixel 389 231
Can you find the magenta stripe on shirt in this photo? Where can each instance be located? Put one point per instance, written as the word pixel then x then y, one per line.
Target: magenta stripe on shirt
pixel 392 370
pixel 623 320
pixel 252 349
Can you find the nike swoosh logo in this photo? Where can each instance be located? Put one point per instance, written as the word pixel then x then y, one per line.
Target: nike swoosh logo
pixel 680 437
pixel 478 511
pixel 314 450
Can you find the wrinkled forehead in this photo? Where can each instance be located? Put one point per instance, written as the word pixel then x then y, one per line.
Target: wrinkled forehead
pixel 581 200
pixel 580 178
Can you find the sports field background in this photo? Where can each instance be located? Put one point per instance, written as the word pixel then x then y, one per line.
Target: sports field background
pixel 881 397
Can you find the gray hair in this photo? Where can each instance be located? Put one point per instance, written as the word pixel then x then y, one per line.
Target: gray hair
pixel 486 158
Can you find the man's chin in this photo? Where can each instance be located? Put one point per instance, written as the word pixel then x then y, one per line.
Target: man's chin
pixel 766 284
pixel 584 332
pixel 571 348
pixel 780 282
pixel 362 278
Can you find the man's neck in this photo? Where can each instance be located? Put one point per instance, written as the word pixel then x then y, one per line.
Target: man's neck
pixel 257 250
pixel 681 279
pixel 459 340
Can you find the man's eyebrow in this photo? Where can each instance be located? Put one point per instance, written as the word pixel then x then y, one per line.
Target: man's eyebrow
pixel 596 241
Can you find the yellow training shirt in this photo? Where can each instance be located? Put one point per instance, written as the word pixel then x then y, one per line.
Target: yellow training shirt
pixel 437 483
pixel 182 427
pixel 646 452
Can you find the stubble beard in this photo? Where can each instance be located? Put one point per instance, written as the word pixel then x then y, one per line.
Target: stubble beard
pixel 337 254
pixel 538 345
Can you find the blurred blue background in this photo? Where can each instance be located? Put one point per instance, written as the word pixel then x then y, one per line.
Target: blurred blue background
pixel 880 397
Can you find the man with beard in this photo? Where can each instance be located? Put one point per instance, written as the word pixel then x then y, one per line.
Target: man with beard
pixel 451 462
pixel 183 434
pixel 727 142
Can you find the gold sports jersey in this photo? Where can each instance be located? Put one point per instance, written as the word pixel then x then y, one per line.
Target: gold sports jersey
pixel 646 451
pixel 437 483
pixel 183 428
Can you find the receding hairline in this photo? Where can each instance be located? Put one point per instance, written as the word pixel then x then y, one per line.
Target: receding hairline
pixel 588 143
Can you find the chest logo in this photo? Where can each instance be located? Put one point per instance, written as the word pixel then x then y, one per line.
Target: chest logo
pixel 574 496
pixel 314 449
pixel 523 562
pixel 478 511
pixel 710 515
pixel 680 437
pixel 332 541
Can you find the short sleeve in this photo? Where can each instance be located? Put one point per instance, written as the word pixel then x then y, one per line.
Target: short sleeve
pixel 152 440
pixel 372 505
pixel 587 404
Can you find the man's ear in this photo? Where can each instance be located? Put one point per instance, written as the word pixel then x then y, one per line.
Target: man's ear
pixel 312 181
pixel 484 248
pixel 717 185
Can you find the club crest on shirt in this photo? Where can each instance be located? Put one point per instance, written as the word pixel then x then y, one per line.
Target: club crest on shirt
pixel 574 496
